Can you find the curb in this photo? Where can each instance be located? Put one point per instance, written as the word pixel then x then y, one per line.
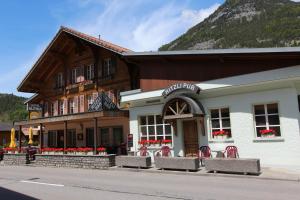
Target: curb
pixel 259 177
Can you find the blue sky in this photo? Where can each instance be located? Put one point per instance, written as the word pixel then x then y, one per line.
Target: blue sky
pixel 141 25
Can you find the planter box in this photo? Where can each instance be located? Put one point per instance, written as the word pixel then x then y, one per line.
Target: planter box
pixel 233 165
pixel 16 159
pixel 133 161
pixel 75 161
pixel 183 163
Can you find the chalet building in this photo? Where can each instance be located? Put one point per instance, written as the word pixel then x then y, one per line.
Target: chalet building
pixel 91 93
pixel 77 81
pixel 246 98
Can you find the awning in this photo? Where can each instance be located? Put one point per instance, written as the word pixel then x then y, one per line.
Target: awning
pixel 194 107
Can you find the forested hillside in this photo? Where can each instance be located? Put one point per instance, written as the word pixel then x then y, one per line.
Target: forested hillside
pixel 12 108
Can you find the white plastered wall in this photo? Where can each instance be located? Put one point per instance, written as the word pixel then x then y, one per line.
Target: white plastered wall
pixel 284 152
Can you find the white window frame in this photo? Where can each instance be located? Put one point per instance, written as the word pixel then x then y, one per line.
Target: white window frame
pixel 71 106
pixel 90 72
pixel 220 121
pixel 89 101
pixel 266 114
pixel 59 80
pixel 155 131
pixel 61 107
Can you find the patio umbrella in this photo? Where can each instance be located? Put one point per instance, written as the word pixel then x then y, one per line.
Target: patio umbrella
pixel 12 139
pixel 30 136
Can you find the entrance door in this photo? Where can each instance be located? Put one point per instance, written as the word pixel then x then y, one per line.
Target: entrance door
pixel 190 138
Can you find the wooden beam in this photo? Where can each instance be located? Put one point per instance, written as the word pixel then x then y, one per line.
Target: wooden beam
pixel 41 137
pixel 65 135
pixel 72 117
pixel 95 135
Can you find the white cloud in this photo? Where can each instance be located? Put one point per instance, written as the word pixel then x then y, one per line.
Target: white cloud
pixel 119 24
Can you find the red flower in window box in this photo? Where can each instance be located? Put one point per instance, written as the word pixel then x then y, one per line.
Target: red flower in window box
pixel 84 149
pixel 52 149
pixel 101 149
pixel 220 133
pixel 71 149
pixel 166 141
pixel 267 132
pixel 7 149
pixel 143 142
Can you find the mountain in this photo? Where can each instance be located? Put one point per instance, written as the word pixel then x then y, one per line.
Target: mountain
pixel 12 108
pixel 244 24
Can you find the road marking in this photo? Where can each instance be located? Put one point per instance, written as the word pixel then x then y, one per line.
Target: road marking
pixel 50 184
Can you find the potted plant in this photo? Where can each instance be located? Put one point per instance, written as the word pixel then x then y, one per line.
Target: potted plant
pixel 220 135
pixel 267 133
pixel 10 150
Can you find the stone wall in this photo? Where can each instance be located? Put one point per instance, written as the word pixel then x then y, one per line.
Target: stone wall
pixel 15 159
pixel 75 161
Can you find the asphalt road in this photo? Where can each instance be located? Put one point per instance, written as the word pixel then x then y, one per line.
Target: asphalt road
pixel 54 183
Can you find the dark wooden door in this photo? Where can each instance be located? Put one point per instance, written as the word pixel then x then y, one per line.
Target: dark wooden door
pixel 190 138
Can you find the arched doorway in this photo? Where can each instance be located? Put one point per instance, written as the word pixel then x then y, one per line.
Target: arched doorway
pixel 188 110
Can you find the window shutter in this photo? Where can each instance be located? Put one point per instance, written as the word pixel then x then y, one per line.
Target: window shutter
pixel 113 65
pixel 55 108
pixel 65 106
pixel 76 104
pixel 81 108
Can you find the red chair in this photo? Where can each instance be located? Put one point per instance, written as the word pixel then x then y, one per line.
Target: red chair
pixel 231 152
pixel 165 151
pixel 204 152
pixel 143 151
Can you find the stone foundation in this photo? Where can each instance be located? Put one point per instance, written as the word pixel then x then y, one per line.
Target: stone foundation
pixel 75 161
pixel 15 159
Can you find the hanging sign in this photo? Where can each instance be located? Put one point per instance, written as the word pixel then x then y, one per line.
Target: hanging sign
pixel 34 107
pixel 181 86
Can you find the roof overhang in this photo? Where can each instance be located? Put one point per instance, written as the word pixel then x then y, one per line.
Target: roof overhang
pixel 84 37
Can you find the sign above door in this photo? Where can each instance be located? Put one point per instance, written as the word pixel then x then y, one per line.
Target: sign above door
pixel 181 87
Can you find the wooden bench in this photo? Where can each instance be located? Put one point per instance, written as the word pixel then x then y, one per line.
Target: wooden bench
pixel 233 165
pixel 179 163
pixel 133 161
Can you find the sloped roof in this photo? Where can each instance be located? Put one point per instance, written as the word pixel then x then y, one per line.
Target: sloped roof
pixel 93 40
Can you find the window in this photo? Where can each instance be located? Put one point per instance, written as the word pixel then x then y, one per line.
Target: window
pixel 267 118
pixel 90 137
pixel 118 136
pixel 90 100
pixel 71 138
pixel 104 137
pixel 59 80
pixel 77 75
pixel 71 106
pixel 52 109
pixel 220 122
pixel 107 68
pixel 60 107
pixel 90 72
pixel 52 138
pixel 46 108
pixel 152 127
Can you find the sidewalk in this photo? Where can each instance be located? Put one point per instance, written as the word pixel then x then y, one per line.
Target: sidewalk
pixel 268 173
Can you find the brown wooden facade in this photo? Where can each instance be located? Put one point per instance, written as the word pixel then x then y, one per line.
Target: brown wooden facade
pixel 71 73
pixel 160 71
